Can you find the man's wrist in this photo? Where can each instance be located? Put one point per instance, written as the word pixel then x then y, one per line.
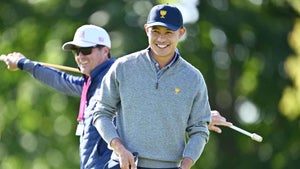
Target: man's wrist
pixel 186 163
pixel 20 63
pixel 117 145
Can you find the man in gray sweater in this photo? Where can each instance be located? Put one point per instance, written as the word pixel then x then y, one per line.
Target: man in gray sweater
pixel 158 99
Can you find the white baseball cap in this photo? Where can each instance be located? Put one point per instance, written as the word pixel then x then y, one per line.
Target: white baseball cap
pixel 88 36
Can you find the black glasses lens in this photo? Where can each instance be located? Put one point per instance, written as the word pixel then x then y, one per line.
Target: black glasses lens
pixel 85 51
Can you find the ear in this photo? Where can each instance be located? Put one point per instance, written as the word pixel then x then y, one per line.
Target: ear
pixel 146 29
pixel 182 31
pixel 106 50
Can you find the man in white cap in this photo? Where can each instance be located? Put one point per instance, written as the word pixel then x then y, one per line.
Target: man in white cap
pixel 91 46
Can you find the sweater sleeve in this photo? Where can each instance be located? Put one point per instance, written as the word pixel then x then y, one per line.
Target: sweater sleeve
pixel 106 106
pixel 197 125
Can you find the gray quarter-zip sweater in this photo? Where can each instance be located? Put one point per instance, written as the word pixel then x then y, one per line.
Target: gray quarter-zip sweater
pixel 153 115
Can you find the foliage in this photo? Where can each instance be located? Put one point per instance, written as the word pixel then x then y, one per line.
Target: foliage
pixel 247 51
pixel 244 47
pixel 289 104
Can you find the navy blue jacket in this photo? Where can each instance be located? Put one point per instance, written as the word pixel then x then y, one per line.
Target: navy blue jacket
pixel 93 149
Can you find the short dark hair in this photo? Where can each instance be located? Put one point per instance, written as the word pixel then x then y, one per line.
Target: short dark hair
pixel 102 46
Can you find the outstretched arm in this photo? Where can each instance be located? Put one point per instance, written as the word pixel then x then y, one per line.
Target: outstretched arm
pixel 65 83
pixel 216 121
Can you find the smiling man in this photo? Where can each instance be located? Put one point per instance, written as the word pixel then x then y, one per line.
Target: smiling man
pixel 157 98
pixel 91 47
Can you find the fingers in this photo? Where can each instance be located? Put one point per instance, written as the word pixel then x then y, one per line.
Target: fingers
pixel 11 60
pixel 5 59
pixel 132 164
pixel 2 57
pixel 214 128
pixel 220 121
pixel 217 120
pixel 127 160
pixel 215 112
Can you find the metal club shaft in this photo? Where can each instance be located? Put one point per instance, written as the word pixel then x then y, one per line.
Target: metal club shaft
pixel 253 136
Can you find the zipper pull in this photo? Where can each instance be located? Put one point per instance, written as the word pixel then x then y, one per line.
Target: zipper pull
pixel 156 86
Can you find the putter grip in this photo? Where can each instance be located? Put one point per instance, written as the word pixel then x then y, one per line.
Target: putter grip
pixel 256 137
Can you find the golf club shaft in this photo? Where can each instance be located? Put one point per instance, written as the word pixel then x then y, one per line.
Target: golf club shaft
pixel 60 67
pixel 55 66
pixel 253 136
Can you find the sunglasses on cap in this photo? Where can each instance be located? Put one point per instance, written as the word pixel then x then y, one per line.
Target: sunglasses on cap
pixel 85 50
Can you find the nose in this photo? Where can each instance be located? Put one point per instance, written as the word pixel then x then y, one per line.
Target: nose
pixel 161 38
pixel 79 57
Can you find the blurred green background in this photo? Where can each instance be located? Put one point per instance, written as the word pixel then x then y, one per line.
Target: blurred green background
pixel 247 50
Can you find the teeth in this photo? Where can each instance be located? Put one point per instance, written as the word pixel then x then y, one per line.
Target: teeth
pixel 162 46
pixel 84 62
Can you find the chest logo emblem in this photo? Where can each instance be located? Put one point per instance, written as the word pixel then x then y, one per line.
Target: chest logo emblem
pixel 177 90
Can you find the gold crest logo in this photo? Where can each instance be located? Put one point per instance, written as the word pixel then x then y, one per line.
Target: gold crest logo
pixel 177 90
pixel 162 13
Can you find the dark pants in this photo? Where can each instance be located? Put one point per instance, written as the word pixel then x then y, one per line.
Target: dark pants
pixel 113 164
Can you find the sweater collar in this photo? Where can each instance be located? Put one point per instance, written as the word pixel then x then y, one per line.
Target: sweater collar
pixel 173 61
